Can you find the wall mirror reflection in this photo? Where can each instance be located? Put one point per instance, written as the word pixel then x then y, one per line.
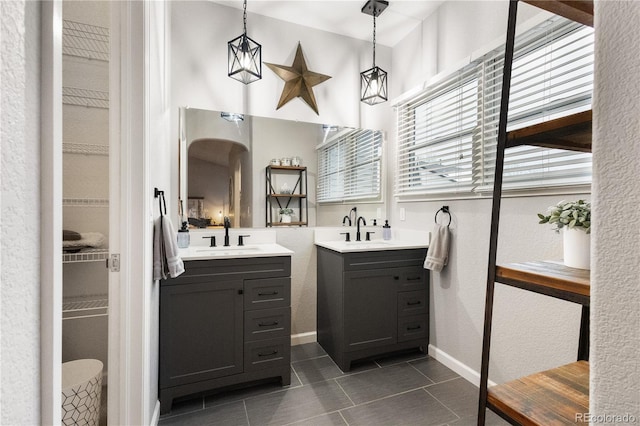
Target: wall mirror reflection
pixel 224 158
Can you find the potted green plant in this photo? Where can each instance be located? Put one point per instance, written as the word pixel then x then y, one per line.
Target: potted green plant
pixel 574 217
pixel 285 215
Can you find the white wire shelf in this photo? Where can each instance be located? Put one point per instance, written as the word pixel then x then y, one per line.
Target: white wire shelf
pixel 91 306
pixel 85 202
pixel 85 97
pixel 86 255
pixel 84 40
pixel 84 148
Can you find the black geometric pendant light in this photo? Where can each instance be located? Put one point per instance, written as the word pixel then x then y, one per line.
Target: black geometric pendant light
pixel 373 82
pixel 244 56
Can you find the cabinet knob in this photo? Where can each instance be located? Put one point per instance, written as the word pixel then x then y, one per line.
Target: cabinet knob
pixel 241 291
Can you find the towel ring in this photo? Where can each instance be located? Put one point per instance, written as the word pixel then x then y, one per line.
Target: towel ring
pixel 443 209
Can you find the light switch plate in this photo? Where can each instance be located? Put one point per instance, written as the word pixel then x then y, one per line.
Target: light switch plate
pixel 402 213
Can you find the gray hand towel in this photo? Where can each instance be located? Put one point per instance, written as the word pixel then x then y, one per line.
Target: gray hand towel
pixel 166 261
pixel 438 253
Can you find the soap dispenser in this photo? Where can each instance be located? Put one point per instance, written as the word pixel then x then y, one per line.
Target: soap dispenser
pixel 386 230
pixel 183 236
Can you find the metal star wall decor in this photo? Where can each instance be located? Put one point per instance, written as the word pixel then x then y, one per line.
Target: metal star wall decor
pixel 299 81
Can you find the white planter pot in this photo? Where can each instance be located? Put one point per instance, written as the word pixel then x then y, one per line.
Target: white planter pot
pixel 577 248
pixel 285 218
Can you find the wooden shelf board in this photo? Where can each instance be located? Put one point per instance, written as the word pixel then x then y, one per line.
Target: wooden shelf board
pixel 572 132
pixel 577 10
pixel 288 195
pixel 547 277
pixel 558 396
pixel 295 168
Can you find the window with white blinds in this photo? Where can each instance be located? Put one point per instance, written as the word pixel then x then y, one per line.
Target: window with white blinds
pixel 552 77
pixel 435 134
pixel 349 166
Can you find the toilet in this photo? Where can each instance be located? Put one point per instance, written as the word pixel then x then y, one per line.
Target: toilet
pixel 81 391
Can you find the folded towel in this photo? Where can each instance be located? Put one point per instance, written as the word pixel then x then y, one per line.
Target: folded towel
pixel 166 260
pixel 87 239
pixel 438 253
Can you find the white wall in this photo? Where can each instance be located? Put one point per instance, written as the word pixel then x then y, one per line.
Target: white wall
pixel 19 213
pixel 615 294
pixel 531 332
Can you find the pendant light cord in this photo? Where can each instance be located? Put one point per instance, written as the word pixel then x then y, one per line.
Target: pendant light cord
pixel 244 17
pixel 374 34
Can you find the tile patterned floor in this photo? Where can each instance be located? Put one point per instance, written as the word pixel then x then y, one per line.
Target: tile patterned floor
pixel 408 389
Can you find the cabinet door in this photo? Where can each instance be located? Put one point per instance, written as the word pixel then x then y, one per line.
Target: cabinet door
pixel 201 331
pixel 370 309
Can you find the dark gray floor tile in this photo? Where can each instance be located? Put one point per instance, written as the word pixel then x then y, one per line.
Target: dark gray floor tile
pixel 457 394
pixel 249 391
pixel 186 405
pixel 412 408
pixel 296 404
pixel 232 414
pixel 492 419
pixel 461 397
pixel 374 384
pixel 316 369
pixel 306 351
pixel 333 419
pixel 401 357
pixel 434 370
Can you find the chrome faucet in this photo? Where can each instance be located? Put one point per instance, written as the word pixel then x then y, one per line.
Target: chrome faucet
pixel 345 219
pixel 364 222
pixel 227 224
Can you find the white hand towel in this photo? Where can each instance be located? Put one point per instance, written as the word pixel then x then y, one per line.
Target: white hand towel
pixel 438 252
pixel 166 261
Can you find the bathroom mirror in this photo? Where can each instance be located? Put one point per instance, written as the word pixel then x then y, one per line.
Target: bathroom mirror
pixel 223 159
pixel 215 170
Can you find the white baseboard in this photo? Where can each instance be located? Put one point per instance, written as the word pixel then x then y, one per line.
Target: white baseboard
pixel 460 368
pixel 302 338
pixel 156 414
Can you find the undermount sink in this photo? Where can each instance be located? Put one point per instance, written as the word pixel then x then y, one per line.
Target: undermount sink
pixel 226 249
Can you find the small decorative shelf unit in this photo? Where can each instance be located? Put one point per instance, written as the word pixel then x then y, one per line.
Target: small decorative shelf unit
pixel 559 395
pixel 276 199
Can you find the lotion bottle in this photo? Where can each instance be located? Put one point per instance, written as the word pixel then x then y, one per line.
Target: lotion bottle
pixel 386 231
pixel 183 236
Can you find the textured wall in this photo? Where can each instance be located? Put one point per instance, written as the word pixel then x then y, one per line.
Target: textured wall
pixel 19 206
pixel 615 312
pixel 531 332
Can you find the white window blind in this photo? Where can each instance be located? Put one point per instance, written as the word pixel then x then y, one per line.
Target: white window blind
pixel 552 77
pixel 349 166
pixel 435 136
pixel 447 135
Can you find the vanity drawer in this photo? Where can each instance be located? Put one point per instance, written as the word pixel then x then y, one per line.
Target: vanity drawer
pixel 412 328
pixel 412 303
pixel 261 324
pixel 267 353
pixel 412 279
pixel 267 293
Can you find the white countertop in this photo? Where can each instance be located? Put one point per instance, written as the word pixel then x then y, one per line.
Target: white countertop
pixel 375 245
pixel 258 243
pixel 234 252
pixel 401 239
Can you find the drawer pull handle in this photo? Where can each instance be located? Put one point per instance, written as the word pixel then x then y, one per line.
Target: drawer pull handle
pixel 273 293
pixel 268 354
pixel 417 302
pixel 267 324
pixel 414 278
pixel 395 277
pixel 415 327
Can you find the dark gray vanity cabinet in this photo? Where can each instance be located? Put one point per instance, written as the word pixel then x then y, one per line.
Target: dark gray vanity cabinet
pixel 371 303
pixel 222 323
